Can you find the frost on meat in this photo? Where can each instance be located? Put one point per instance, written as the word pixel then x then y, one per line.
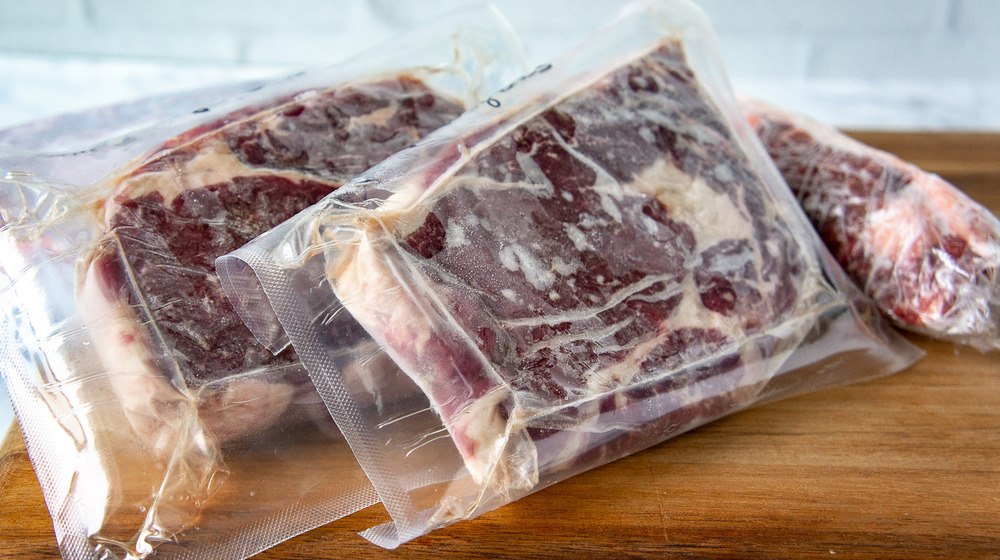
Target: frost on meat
pixel 164 327
pixel 602 275
pixel 924 251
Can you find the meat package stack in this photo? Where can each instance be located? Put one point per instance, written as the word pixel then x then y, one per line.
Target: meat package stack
pixel 596 258
pixel 156 423
pixel 384 284
pixel 208 192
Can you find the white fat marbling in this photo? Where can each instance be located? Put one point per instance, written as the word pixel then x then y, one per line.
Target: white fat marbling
pixel 454 235
pixel 692 201
pixel 577 236
pixel 215 163
pixel 518 257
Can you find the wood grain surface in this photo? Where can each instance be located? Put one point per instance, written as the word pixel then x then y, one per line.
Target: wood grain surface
pixel 902 467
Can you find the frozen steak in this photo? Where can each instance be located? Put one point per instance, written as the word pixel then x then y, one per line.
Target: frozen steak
pixel 586 279
pixel 163 326
pixel 924 251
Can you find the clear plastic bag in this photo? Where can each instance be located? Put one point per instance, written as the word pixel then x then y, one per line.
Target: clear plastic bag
pixel 81 131
pixel 599 257
pixel 154 421
pixel 926 253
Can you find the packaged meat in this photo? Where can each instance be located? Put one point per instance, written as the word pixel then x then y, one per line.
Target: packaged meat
pixel 82 130
pixel 203 194
pixel 924 251
pixel 155 422
pixel 598 257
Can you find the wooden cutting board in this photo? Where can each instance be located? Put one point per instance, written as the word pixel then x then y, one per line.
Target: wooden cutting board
pixel 899 468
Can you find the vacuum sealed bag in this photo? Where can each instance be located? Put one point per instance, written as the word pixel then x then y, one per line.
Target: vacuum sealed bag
pixel 154 420
pixel 82 130
pixel 924 251
pixel 597 258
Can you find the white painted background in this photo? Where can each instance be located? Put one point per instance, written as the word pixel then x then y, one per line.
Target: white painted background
pixel 856 63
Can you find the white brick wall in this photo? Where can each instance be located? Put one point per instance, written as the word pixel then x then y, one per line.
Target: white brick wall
pixel 871 40
pixel 863 39
pixel 927 49
pixel 976 16
pixel 52 13
pixel 826 16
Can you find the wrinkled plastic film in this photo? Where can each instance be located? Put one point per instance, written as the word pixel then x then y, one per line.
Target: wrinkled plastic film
pixel 51 442
pixel 70 416
pixel 467 53
pixel 85 129
pixel 162 461
pixel 365 377
pixel 926 253
pixel 337 324
pixel 479 388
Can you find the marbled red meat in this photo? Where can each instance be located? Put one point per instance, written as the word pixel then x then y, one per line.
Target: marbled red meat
pixel 924 251
pixel 592 279
pixel 164 325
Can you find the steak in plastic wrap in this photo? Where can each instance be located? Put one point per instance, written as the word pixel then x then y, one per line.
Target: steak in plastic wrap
pixel 164 327
pixel 924 251
pixel 610 266
pixel 597 258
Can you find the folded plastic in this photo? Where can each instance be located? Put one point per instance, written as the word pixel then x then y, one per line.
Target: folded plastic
pixel 155 421
pixel 597 258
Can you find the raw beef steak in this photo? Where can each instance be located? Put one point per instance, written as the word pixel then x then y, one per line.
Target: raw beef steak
pixel 166 330
pixel 924 251
pixel 586 281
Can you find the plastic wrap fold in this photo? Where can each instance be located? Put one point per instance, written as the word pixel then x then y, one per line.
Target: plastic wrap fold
pixel 598 257
pixel 154 420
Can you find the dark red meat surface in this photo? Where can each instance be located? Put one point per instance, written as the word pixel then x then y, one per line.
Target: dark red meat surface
pixel 578 288
pixel 924 251
pixel 213 189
